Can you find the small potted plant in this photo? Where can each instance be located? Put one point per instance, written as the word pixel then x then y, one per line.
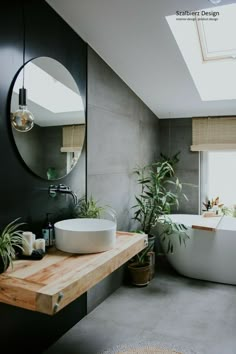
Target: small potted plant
pixel 11 240
pixel 88 209
pixel 139 268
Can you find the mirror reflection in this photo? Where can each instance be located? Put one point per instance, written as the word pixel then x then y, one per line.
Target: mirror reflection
pixel 53 146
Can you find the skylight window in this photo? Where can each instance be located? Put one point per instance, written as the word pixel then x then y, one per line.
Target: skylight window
pixel 217 38
pixel 58 98
pixel 208 46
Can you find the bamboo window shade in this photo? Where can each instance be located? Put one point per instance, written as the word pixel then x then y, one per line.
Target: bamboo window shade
pixel 218 133
pixel 73 138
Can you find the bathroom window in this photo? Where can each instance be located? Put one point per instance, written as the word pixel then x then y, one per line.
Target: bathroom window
pixel 218 176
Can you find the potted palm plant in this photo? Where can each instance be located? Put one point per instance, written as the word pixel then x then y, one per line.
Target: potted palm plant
pixel 160 191
pixel 11 240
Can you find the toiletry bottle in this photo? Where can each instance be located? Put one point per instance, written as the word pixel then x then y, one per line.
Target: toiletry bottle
pixel 48 232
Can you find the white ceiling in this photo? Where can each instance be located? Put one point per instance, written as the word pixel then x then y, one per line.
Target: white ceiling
pixel 134 39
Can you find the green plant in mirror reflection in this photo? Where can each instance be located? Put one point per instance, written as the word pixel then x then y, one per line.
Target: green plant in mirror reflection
pixel 52 173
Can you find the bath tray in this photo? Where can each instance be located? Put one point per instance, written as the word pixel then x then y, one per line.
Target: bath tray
pixel 205 228
pixel 208 224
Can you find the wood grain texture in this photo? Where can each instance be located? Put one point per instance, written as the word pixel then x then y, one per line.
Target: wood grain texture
pixel 59 278
pixel 205 228
pixel 18 292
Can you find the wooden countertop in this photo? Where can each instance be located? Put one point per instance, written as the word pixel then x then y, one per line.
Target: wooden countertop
pixel 59 278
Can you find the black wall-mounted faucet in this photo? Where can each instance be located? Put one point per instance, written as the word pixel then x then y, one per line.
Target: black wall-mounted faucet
pixel 54 189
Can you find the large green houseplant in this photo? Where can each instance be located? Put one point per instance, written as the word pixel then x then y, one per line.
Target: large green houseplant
pixel 160 191
pixel 11 241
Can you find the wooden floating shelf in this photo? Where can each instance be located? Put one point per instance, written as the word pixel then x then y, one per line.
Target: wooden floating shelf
pixel 48 285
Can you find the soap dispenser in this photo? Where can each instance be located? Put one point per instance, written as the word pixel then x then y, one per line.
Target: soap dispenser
pixel 48 232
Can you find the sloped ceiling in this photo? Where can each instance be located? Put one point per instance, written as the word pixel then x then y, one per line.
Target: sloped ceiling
pixel 134 39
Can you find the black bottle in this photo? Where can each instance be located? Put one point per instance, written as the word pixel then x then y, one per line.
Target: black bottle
pixel 48 232
pixel 208 205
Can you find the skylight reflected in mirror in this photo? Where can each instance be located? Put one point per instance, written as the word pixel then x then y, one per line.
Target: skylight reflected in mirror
pixel 57 98
pixel 208 46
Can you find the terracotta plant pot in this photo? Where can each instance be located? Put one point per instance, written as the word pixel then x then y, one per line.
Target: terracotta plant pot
pixel 140 273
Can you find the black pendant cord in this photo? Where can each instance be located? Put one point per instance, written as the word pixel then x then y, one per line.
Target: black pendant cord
pixel 22 91
pixel 23 18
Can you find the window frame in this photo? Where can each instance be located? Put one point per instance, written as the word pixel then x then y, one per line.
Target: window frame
pixel 203 172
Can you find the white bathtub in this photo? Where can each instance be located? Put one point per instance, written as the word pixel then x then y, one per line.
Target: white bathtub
pixel 208 255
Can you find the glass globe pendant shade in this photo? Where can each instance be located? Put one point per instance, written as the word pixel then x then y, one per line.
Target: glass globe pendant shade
pixel 22 120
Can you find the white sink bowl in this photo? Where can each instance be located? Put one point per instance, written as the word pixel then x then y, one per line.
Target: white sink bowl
pixel 85 235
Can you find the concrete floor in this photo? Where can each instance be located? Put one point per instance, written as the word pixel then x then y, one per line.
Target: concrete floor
pixel 173 311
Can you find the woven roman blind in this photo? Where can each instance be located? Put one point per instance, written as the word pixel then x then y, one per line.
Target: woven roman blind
pixel 218 133
pixel 73 138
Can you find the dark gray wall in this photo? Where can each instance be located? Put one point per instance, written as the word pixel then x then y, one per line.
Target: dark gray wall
pixel 17 183
pixel 176 135
pixel 23 193
pixel 122 133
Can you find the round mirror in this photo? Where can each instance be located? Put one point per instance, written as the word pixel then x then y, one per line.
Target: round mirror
pixel 53 146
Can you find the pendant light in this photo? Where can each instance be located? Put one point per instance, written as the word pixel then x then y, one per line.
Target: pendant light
pixel 22 120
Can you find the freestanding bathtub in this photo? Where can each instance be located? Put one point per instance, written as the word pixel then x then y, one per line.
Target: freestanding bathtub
pixel 208 255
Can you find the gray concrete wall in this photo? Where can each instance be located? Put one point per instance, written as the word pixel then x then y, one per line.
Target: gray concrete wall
pixel 122 133
pixel 176 135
